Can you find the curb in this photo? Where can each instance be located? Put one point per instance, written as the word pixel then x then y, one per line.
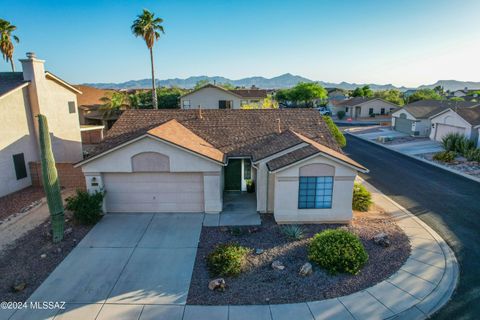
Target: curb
pixel 418 158
pixel 442 293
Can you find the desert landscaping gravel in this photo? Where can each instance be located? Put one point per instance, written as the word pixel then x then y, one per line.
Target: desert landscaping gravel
pixel 15 202
pixel 261 284
pixel 29 260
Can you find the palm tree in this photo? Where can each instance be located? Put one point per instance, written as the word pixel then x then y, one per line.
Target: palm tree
pixel 149 28
pixel 113 105
pixel 6 44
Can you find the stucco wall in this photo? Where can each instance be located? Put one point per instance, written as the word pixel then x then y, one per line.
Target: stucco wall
pixel 208 98
pixel 451 118
pixel 377 105
pixel 17 136
pixel 286 195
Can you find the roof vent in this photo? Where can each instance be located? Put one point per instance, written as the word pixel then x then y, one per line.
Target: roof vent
pixel 31 55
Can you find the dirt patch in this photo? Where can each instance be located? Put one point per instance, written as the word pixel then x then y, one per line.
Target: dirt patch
pixel 260 284
pixel 19 201
pixel 21 262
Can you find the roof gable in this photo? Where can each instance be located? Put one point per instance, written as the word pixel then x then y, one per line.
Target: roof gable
pixel 10 81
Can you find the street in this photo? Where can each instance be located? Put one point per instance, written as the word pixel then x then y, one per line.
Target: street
pixel 448 203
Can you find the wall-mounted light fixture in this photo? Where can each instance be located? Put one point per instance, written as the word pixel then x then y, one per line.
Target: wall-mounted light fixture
pixel 94 182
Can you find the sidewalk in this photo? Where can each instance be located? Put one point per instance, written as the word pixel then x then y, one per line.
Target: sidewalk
pixel 420 288
pixel 412 149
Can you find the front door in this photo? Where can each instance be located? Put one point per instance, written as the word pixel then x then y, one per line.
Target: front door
pixel 358 112
pixel 233 175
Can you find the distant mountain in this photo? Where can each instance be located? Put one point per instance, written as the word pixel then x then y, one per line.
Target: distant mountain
pixel 286 80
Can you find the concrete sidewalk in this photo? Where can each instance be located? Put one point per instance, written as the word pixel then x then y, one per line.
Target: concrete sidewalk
pixel 144 274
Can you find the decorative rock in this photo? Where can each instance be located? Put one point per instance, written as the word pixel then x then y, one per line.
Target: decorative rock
pixel 306 269
pixel 259 251
pixel 278 265
pixel 382 239
pixel 217 284
pixel 43 256
pixel 224 229
pixel 253 230
pixel 68 231
pixel 19 286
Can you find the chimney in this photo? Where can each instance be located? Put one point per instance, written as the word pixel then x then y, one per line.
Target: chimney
pixel 279 125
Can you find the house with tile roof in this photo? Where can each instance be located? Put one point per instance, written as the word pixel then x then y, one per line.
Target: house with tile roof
pixel 465 121
pixel 184 161
pixel 361 107
pixel 212 96
pixel 415 118
pixel 24 95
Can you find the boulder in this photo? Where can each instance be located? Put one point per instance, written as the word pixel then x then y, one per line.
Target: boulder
pixel 217 284
pixel 306 269
pixel 19 286
pixel 43 256
pixel 382 239
pixel 259 251
pixel 278 265
pixel 68 231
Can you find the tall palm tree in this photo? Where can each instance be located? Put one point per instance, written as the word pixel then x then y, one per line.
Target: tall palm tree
pixel 6 44
pixel 113 105
pixel 149 28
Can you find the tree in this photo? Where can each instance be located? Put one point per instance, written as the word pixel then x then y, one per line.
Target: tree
pixel 168 98
pixel 149 28
pixel 336 133
pixel 267 103
pixel 51 185
pixel 6 45
pixel 424 94
pixel 439 90
pixel 456 99
pixel 364 91
pixel 201 83
pixel 393 96
pixel 113 104
pixel 306 92
pixel 226 86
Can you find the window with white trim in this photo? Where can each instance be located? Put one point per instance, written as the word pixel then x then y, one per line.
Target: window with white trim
pixel 315 192
pixel 186 104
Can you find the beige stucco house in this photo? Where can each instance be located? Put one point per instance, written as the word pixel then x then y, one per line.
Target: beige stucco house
pixel 212 96
pixel 23 95
pixel 360 107
pixel 465 121
pixel 184 161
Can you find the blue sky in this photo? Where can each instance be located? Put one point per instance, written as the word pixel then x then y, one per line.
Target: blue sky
pixel 401 42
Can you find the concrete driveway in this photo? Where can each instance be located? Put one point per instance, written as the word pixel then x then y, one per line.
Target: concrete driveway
pixel 125 262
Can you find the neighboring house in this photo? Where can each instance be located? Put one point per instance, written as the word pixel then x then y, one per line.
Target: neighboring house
pixel 360 107
pixel 415 118
pixel 24 95
pixel 465 121
pixel 335 96
pixel 212 96
pixel 92 122
pixel 184 160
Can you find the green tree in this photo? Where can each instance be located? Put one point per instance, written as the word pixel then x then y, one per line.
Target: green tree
pixel 267 103
pixel 168 98
pixel 393 96
pixel 6 44
pixel 201 83
pixel 227 86
pixel 149 28
pixel 424 94
pixel 336 133
pixel 364 91
pixel 439 90
pixel 113 104
pixel 456 99
pixel 51 185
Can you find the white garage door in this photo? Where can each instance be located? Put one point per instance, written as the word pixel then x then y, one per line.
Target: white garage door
pixel 154 192
pixel 444 129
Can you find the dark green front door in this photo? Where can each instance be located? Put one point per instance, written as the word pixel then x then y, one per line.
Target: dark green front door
pixel 233 175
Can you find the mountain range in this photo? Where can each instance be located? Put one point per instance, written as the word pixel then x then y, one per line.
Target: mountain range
pixel 283 81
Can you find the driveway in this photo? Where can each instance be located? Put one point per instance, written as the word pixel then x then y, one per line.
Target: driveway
pixel 125 262
pixel 448 203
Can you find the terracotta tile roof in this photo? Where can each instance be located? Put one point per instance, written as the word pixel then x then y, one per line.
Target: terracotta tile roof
pixel 173 132
pixel 250 93
pixel 10 81
pixel 91 96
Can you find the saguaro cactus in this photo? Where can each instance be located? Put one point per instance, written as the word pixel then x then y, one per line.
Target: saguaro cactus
pixel 51 185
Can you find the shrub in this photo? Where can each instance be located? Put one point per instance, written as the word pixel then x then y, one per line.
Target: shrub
pixel 473 155
pixel 293 231
pixel 341 114
pixel 336 133
pixel 362 199
pixel 250 186
pixel 86 207
pixel 337 251
pixel 458 143
pixel 227 260
pixel 445 156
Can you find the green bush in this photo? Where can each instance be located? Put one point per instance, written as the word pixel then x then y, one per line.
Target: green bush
pixel 250 185
pixel 336 133
pixel 341 114
pixel 293 231
pixel 445 156
pixel 337 251
pixel 458 143
pixel 362 199
pixel 227 259
pixel 86 207
pixel 473 155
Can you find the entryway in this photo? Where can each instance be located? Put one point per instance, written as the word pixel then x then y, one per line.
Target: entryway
pixel 237 173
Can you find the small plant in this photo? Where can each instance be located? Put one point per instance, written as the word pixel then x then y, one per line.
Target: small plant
pixel 338 251
pixel 237 231
pixel 445 156
pixel 341 114
pixel 473 155
pixel 362 199
pixel 293 231
pixel 227 260
pixel 86 207
pixel 250 186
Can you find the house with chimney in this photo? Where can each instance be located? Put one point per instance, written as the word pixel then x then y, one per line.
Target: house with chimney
pixel 24 95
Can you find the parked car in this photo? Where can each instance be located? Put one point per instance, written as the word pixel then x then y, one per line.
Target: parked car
pixel 325 111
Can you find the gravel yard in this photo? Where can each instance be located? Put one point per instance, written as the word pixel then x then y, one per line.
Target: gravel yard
pixel 260 284
pixel 22 262
pixel 460 164
pixel 399 140
pixel 15 202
